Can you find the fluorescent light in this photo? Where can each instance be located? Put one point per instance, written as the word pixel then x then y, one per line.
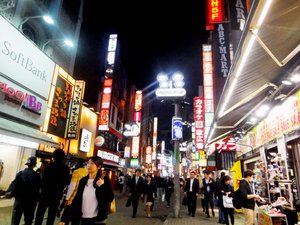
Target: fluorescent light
pixel 286 82
pixel 48 19
pixel 296 78
pixel 264 12
pixel 265 107
pixel 69 43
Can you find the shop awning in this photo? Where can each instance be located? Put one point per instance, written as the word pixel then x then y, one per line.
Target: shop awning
pixel 265 55
pixel 17 130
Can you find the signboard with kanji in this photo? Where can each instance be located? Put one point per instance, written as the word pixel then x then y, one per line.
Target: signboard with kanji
pixel 199 123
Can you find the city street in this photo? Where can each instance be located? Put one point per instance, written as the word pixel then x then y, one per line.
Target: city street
pixel 161 215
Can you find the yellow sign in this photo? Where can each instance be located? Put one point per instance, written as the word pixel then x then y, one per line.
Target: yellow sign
pixel 237 176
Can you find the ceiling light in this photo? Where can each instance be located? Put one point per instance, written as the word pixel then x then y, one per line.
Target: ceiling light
pixel 286 82
pixel 253 120
pixel 69 43
pixel 264 108
pixel 295 78
pixel 48 19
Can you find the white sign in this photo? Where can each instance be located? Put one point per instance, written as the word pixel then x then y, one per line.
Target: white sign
pixel 23 61
pixel 176 128
pixel 85 140
pixel 108 156
pixel 131 130
pixel 170 92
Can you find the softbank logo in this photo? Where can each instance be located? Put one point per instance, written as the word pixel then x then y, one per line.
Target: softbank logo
pixel 23 61
pixel 29 102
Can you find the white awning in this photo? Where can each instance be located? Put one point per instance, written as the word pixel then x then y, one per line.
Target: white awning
pixel 20 131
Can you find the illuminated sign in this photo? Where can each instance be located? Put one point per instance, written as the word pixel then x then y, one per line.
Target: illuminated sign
pixel 199 123
pixel 99 141
pixel 75 109
pixel 105 104
pixel 238 14
pixel 170 92
pixel 134 162
pixel 226 144
pixel 108 156
pixel 135 147
pixel 111 58
pixel 215 11
pixel 112 43
pixel 154 138
pixel 85 140
pixel 148 154
pixel 176 128
pixel 138 101
pixel 137 117
pixel 131 130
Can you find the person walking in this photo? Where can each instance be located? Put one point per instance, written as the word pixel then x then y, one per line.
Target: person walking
pixel 191 192
pixel 208 185
pixel 136 186
pixel 121 182
pixel 150 194
pixel 79 172
pixel 227 190
pixel 169 188
pixel 219 197
pixel 247 193
pixel 55 178
pixel 93 195
pixel 26 193
pixel 160 187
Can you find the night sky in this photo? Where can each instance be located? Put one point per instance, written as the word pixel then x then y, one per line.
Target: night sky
pixel 154 36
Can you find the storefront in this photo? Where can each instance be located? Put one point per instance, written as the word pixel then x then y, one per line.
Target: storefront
pixel 25 78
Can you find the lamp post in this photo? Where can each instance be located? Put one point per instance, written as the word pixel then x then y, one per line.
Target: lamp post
pixel 172 89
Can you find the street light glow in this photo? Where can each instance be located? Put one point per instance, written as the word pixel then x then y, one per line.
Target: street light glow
pixel 164 84
pixel 162 77
pixel 177 76
pixel 48 19
pixel 178 84
pixel 69 43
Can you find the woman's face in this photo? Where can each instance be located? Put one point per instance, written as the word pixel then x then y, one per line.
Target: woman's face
pixel 92 167
pixel 149 179
pixel 227 182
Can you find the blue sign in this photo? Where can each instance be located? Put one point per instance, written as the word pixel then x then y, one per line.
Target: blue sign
pixel 176 128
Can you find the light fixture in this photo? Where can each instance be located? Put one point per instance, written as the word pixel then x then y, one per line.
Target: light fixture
pixel 177 77
pixel 162 77
pixel 69 43
pixel 295 78
pixel 178 84
pixel 286 82
pixel 48 19
pixel 164 84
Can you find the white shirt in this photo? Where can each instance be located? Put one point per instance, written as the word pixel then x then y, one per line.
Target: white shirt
pixel 191 184
pixel 207 181
pixel 136 180
pixel 89 201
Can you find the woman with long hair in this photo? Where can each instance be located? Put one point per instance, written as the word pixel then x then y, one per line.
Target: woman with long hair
pixel 227 189
pixel 93 196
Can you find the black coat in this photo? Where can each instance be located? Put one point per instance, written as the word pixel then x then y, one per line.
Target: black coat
pixel 150 191
pixel 104 195
pixel 246 190
pixel 224 189
pixel 137 189
pixel 211 184
pixel 195 187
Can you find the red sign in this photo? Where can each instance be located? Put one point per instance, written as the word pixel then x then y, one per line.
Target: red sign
pixel 215 11
pixel 137 117
pixel 226 144
pixel 199 123
pixel 105 104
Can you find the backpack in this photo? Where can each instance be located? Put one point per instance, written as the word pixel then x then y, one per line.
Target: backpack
pixel 237 199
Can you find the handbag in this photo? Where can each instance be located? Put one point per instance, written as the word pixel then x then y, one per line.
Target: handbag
pixel 227 201
pixel 184 201
pixel 112 207
pixel 128 203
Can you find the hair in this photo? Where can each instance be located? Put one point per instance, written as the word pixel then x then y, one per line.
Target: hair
pixel 138 170
pixel 225 178
pixel 59 155
pixel 205 171
pixel 222 174
pixel 248 173
pixel 99 163
pixel 80 163
pixel 193 172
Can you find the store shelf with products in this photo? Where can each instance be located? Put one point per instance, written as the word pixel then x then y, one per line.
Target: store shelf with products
pixel 267 215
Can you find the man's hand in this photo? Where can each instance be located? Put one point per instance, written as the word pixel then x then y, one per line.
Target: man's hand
pixel 100 182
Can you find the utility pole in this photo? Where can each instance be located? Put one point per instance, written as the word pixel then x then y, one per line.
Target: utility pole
pixel 176 170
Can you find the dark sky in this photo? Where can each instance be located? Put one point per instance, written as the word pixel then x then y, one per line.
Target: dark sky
pixel 154 36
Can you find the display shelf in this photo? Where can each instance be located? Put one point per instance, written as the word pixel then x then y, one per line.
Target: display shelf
pixel 267 219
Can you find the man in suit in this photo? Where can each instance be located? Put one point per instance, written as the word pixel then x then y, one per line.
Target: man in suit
pixel 191 191
pixel 208 190
pixel 136 186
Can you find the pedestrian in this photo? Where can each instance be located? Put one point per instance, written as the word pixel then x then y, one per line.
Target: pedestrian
pixel 227 190
pixel 219 197
pixel 79 172
pixel 191 192
pixel 160 187
pixel 208 190
pixel 136 186
pixel 169 188
pixel 26 193
pixel 247 193
pixel 149 194
pixel 121 182
pixel 55 178
pixel 94 193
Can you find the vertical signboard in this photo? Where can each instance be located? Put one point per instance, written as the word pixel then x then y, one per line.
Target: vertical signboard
pixel 221 50
pixel 199 123
pixel 135 145
pixel 105 104
pixel 215 11
pixel 176 128
pixel 60 107
pixel 75 109
pixel 154 138
pixel 238 14
pixel 208 87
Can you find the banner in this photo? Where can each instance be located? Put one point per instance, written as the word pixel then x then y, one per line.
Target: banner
pixel 236 170
pixel 238 14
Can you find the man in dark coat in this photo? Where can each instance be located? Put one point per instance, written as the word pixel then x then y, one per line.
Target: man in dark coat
pixel 27 185
pixel 136 186
pixel 191 191
pixel 208 190
pixel 55 179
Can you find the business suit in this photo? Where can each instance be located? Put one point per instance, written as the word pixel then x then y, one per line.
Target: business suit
pixel 208 190
pixel 191 193
pixel 136 190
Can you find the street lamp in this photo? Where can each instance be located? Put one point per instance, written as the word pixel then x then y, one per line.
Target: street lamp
pixel 67 42
pixel 47 18
pixel 172 89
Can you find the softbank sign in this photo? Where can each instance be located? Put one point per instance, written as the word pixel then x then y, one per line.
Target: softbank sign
pixel 24 62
